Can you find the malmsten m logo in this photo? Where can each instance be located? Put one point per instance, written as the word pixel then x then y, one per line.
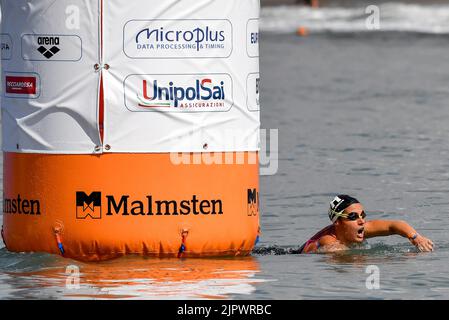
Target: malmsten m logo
pixel 253 202
pixel 88 205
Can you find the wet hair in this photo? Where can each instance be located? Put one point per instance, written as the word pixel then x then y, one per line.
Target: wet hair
pixel 339 204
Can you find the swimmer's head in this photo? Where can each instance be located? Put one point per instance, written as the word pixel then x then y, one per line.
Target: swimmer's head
pixel 348 216
pixel 339 204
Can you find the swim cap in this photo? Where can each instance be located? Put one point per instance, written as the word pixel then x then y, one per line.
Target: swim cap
pixel 339 204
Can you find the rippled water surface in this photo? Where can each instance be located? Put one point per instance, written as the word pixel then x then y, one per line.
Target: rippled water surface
pixel 360 113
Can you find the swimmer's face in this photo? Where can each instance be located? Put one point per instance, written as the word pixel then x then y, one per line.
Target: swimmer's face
pixel 353 230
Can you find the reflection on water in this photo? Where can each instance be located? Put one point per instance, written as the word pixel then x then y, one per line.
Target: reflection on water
pixel 45 276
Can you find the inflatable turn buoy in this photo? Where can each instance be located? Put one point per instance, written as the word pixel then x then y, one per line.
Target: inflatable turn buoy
pixel 130 129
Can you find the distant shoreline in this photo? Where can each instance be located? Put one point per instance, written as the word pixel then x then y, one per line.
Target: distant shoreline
pixel 350 3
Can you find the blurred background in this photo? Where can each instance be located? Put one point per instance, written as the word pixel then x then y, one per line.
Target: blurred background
pixel 341 3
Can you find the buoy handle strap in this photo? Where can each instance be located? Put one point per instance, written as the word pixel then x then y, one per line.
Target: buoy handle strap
pixel 58 240
pixel 182 248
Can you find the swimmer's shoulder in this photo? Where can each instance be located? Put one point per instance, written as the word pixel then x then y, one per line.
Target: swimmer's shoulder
pixel 327 240
pixel 323 241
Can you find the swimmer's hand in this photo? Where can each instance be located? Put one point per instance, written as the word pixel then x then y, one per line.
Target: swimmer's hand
pixel 422 243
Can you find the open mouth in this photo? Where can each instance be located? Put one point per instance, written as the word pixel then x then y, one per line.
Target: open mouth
pixel 361 232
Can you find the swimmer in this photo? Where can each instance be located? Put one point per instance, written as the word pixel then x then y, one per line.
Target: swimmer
pixel 349 226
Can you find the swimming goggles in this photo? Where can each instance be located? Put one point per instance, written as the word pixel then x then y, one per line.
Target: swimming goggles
pixel 353 215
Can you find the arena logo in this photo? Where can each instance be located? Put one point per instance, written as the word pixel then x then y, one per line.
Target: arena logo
pixel 21 206
pixel 52 41
pixel 90 206
pixel 186 93
pixel 178 38
pixel 51 47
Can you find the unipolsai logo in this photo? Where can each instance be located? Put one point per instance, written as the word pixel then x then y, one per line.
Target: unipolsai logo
pixel 178 39
pixel 88 205
pixel 184 93
pixel 253 202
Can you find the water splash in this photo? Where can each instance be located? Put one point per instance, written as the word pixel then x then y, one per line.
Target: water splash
pixel 378 248
pixel 274 250
pixel 394 17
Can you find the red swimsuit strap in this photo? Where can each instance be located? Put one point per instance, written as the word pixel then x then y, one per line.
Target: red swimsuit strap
pixel 317 236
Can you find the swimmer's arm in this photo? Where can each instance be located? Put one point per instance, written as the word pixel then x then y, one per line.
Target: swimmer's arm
pixel 379 228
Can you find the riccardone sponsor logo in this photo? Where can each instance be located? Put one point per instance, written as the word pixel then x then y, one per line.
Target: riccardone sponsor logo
pixel 124 205
pixel 21 205
pixel 51 47
pixel 178 38
pixel 21 85
pixel 185 93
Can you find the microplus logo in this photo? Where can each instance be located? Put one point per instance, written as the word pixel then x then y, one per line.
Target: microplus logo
pixel 90 206
pixel 197 39
pixel 184 93
pixel 178 39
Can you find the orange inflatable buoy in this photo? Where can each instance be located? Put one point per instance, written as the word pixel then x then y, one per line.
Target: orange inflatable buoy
pixel 302 31
pixel 128 204
pixel 130 129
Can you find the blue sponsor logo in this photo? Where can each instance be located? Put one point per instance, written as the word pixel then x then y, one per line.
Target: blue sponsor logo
pixel 254 37
pixel 195 38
